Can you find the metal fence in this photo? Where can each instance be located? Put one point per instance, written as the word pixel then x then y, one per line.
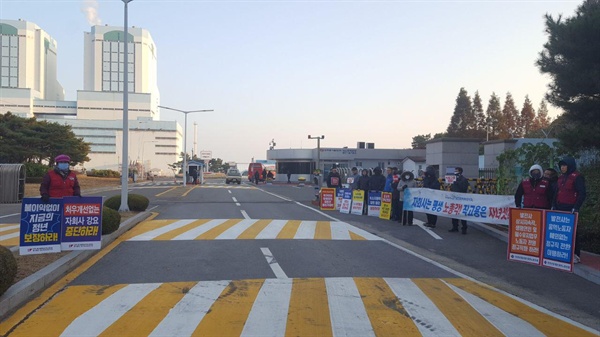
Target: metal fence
pixel 12 183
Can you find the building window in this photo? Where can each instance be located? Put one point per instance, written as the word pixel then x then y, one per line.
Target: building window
pixel 113 66
pixel 9 61
pixel 293 167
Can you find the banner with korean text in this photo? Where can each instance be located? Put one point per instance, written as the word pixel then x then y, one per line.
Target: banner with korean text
pixel 81 223
pixel 374 203
pixel 559 240
pixel 346 194
pixel 358 202
pixel 525 235
pixel 327 200
pixel 386 206
pixel 40 226
pixel 472 207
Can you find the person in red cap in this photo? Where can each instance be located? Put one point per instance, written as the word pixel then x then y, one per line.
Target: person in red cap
pixel 61 181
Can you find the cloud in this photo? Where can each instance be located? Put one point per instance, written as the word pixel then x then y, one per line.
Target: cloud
pixel 90 9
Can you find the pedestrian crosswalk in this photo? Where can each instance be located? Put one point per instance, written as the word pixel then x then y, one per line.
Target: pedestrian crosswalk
pixel 232 229
pixel 9 234
pixel 342 306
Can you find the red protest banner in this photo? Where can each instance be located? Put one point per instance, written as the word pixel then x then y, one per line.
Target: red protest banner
pixel 328 199
pixel 525 235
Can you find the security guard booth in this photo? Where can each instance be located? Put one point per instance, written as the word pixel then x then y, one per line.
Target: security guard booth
pixel 195 172
pixel 12 183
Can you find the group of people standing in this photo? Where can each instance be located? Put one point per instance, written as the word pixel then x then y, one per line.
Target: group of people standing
pixel 545 189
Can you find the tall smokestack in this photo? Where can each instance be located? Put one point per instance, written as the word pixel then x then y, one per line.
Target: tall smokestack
pixel 90 9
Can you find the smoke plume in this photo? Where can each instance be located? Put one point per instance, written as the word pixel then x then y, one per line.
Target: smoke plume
pixel 90 9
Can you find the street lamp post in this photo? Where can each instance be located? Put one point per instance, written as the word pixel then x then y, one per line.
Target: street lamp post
pixel 318 138
pixel 184 137
pixel 125 164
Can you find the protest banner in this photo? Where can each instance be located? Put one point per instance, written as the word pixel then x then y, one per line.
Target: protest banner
pixel 358 202
pixel 327 200
pixel 559 240
pixel 339 195
pixel 374 204
pixel 525 235
pixel 346 195
pixel 472 207
pixel 81 223
pixel 40 226
pixel 385 211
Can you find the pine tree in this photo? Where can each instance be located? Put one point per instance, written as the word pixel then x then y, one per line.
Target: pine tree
pixel 542 120
pixel 480 119
pixel 462 112
pixel 527 117
pixel 494 117
pixel 510 115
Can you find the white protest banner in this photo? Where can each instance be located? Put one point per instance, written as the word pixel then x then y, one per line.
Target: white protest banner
pixel 374 203
pixel 346 200
pixel 472 207
pixel 358 202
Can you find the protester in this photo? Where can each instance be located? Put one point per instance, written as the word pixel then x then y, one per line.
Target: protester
pixel 396 213
pixel 534 192
pixel 430 180
pixel 389 178
pixel 333 179
pixel 60 181
pixel 352 179
pixel 460 185
pixel 570 194
pixel 363 184
pixel 256 177
pixel 289 176
pixel 377 180
pixel 408 181
pixel 552 176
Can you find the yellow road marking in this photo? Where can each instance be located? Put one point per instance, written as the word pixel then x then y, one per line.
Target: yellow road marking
pixel 146 226
pixel 386 313
pixel 323 230
pixel 213 233
pixel 167 191
pixel 228 314
pixel 54 317
pixel 188 191
pixel 548 325
pixel 461 314
pixel 308 313
pixel 12 241
pixel 255 229
pixel 143 318
pixel 289 230
pixel 354 236
pixel 173 233
pixel 37 302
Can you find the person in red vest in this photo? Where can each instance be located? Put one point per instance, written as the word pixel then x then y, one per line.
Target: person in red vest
pixel 535 192
pixel 61 181
pixel 570 193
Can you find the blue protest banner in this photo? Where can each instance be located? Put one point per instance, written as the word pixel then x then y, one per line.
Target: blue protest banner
pixel 559 240
pixel 82 223
pixel 40 226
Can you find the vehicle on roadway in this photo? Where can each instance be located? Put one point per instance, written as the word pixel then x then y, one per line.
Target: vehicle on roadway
pixel 233 176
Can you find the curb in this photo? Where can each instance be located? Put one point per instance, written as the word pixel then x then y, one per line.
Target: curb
pixel 579 269
pixel 29 287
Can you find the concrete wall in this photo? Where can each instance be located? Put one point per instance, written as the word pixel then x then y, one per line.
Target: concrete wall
pixel 445 153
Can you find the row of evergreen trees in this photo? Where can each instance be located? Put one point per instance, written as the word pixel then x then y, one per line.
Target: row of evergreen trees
pixel 470 120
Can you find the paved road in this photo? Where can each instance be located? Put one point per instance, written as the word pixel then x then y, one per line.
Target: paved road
pixel 220 260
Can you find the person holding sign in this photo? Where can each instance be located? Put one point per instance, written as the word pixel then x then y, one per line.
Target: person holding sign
pixel 534 192
pixel 352 179
pixel 460 185
pixel 430 180
pixel 408 181
pixel 61 181
pixel 570 193
pixel 334 180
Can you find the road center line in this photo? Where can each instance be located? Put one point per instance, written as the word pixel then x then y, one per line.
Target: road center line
pixel 245 214
pixel 279 273
pixel 229 191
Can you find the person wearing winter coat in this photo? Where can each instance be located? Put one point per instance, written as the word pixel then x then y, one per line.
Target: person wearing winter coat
pixel 363 184
pixel 377 180
pixel 334 180
pixel 570 194
pixel 352 179
pixel 396 213
pixel 407 181
pixel 60 181
pixel 430 180
pixel 535 191
pixel 460 185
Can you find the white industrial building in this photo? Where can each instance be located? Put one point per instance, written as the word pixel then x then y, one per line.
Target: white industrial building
pixel 29 87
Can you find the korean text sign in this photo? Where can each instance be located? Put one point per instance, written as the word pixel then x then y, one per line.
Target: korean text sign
pixel 472 207
pixel 346 194
pixel 559 240
pixel 358 201
pixel 82 223
pixel 40 226
pixel 328 199
pixel 386 205
pixel 525 235
pixel 374 203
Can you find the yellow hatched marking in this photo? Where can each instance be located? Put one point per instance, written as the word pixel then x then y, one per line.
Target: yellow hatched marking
pixel 171 234
pixel 145 227
pixel 308 313
pixel 54 317
pixel 323 230
pixel 12 241
pixel 228 314
pixel 188 191
pixel 213 233
pixel 386 313
pixel 548 325
pixel 354 236
pixel 150 311
pixel 255 229
pixel 463 316
pixel 289 230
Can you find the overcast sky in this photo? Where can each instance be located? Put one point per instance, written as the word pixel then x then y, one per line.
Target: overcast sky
pixel 374 71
